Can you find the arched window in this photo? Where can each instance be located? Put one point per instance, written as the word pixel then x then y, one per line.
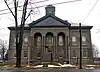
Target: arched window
pixel 83 38
pixel 61 39
pixel 74 53
pixel 25 39
pixel 38 39
pixel 84 53
pixel 25 53
pixel 49 38
pixel 73 39
pixel 14 55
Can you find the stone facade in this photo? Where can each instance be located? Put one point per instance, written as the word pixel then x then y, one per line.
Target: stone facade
pixel 52 39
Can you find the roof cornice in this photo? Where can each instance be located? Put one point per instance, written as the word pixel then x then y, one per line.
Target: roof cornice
pixel 82 27
pixel 13 28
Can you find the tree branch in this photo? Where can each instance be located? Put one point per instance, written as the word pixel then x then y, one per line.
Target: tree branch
pixel 9 8
pixel 28 15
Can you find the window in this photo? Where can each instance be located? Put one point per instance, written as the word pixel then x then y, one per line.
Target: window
pixel 83 38
pixel 14 55
pixel 84 53
pixel 26 39
pixel 49 39
pixel 60 40
pixel 73 39
pixel 38 40
pixel 38 55
pixel 25 53
pixel 74 53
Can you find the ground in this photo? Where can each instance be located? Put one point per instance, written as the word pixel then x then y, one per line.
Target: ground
pixel 12 69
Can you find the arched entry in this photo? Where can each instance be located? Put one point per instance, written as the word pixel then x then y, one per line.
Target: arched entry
pixel 49 41
pixel 61 46
pixel 38 45
pixel 48 53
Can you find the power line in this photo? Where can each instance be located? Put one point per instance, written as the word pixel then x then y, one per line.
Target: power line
pixel 55 4
pixel 19 6
pixel 2 28
pixel 22 5
pixel 90 11
pixel 45 5
pixel 5 13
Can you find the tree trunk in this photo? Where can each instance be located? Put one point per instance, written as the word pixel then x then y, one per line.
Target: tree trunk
pixel 18 62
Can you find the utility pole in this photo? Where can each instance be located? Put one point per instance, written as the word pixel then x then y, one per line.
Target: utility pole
pixel 3 51
pixel 80 46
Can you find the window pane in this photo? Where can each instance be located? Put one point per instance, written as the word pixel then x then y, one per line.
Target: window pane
pixel 49 39
pixel 83 38
pixel 60 40
pixel 39 40
pixel 14 54
pixel 74 53
pixel 25 39
pixel 84 53
pixel 25 53
pixel 74 39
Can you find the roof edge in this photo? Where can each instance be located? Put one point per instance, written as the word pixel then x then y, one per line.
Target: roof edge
pixel 13 28
pixel 83 27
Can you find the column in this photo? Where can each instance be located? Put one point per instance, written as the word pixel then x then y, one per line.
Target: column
pixel 42 48
pixel 66 50
pixel 56 50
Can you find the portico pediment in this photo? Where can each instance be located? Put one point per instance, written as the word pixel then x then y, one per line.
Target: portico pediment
pixel 49 21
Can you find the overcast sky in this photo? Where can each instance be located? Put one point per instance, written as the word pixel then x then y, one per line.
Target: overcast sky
pixel 75 12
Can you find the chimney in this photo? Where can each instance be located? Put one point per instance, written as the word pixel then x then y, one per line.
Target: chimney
pixel 50 9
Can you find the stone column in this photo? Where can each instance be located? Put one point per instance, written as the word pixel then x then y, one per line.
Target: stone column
pixel 69 47
pixel 65 51
pixel 42 48
pixel 56 49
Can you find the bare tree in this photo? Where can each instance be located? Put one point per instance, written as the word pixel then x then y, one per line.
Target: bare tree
pixel 95 50
pixel 3 49
pixel 19 39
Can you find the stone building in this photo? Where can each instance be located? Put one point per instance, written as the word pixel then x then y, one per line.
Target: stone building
pixel 52 39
